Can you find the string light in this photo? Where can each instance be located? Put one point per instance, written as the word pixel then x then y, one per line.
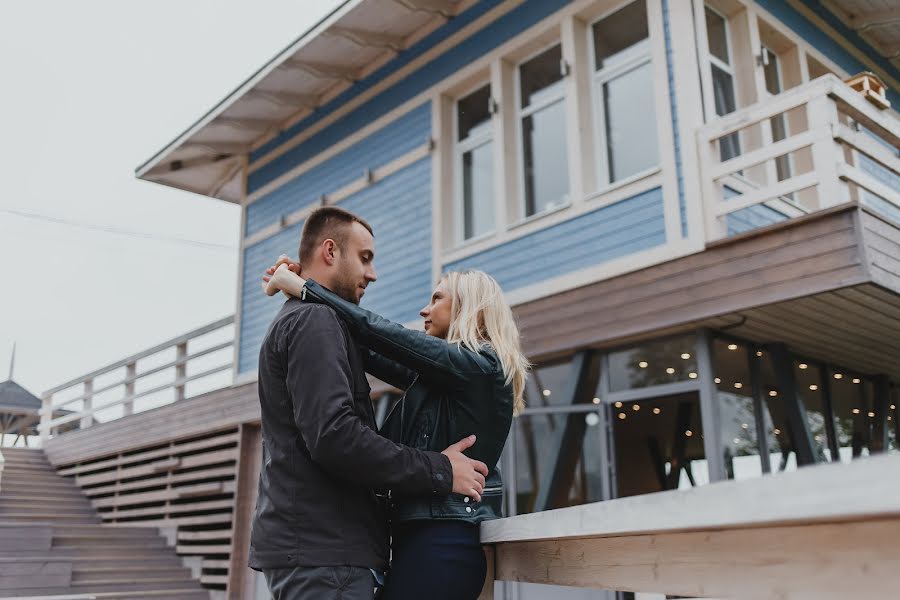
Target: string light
pixel 656 411
pixel 596 400
pixel 855 411
pixel 718 380
pixel 686 355
pixel 738 384
pixel 813 387
pixel 688 433
pixel 636 407
pixel 623 416
pixel 692 375
pixel 759 353
pixel 732 346
pixel 856 380
pixel 547 392
pixel 838 375
pixel 745 426
pixel 643 364
pixel 776 431
pixel 670 371
pixel 618 405
pixel 871 415
pixel 804 366
pixel 773 393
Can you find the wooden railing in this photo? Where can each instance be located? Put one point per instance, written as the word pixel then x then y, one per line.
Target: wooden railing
pixel 159 375
pixel 812 147
pixel 829 531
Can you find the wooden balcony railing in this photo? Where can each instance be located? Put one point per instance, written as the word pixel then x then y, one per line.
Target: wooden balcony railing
pixel 812 147
pixel 159 375
pixel 824 532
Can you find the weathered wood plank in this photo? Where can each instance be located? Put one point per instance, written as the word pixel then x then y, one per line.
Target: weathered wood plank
pixel 241 582
pixel 822 562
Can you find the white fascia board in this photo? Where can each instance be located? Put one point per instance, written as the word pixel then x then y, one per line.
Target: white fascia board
pixel 242 89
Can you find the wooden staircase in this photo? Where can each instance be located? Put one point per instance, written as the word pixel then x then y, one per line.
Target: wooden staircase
pixel 52 543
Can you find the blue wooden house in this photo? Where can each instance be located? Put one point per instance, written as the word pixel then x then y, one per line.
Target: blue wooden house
pixel 693 206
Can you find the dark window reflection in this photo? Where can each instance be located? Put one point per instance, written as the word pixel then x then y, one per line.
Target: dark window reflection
pixel 734 394
pixel 658 445
pixel 854 414
pixel 653 363
pixel 779 434
pixel 811 394
pixel 618 32
pixel 565 444
pixel 893 421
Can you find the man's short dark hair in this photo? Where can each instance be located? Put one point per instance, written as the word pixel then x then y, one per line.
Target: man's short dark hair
pixel 327 222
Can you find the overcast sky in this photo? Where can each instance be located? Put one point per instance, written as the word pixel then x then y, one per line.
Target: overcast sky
pixel 89 265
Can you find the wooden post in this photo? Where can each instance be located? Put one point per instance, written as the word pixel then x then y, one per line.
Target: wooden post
pixel 46 417
pixel 241 581
pixel 487 592
pixel 822 114
pixel 88 419
pixel 130 373
pixel 180 370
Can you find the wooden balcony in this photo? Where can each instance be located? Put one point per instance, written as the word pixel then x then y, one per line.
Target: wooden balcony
pixel 811 148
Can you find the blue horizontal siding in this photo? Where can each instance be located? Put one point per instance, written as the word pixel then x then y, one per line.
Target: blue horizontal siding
pixel 628 226
pixel 399 210
pixel 257 309
pixel 493 35
pixel 391 141
pixel 751 217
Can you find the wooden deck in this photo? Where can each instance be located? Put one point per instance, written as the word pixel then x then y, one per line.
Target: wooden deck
pixel 845 260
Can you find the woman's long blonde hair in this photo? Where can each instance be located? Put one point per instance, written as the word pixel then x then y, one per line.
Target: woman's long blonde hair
pixel 479 317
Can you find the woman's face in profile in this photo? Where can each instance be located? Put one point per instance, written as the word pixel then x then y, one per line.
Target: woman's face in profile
pixel 437 312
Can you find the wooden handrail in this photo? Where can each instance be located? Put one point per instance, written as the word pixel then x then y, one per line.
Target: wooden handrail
pixel 787 535
pixel 54 415
pixel 835 176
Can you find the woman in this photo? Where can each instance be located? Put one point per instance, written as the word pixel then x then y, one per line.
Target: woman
pixel 465 374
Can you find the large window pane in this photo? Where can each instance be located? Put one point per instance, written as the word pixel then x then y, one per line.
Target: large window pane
pixel 717 35
pixel 893 421
pixel 550 385
pixel 478 190
pixel 734 395
pixel 545 160
pixel 658 445
pixel 655 363
pixel 723 94
pixel 618 32
pixel 631 140
pixel 852 399
pixel 809 389
pixel 541 76
pixel 780 437
pixel 473 113
pixel 572 461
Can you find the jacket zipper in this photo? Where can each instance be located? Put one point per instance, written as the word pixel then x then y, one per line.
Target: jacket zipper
pixel 402 399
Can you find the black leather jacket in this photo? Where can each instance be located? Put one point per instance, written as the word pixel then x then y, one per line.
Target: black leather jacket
pixel 451 393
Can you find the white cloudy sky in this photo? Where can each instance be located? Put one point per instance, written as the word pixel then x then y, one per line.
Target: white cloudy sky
pixel 89 90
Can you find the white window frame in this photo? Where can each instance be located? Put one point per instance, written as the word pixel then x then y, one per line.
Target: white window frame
pixel 633 58
pixel 459 149
pixel 779 76
pixel 521 114
pixel 716 61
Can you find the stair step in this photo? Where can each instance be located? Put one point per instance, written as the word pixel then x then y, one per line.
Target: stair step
pixel 106 532
pixel 76 508
pixel 21 476
pixel 152 589
pixel 105 552
pixel 12 499
pixel 65 594
pixel 81 562
pixel 49 517
pixel 104 575
pixel 40 488
pixel 82 540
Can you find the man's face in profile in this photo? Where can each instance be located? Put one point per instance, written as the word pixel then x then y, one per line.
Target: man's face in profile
pixel 356 264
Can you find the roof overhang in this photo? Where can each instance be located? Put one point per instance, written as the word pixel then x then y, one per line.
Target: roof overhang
pixel 878 23
pixel 354 40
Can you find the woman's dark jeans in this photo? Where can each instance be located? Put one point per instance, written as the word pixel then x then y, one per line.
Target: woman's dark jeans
pixel 436 560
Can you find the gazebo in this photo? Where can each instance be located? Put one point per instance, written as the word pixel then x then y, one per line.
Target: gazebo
pixel 19 411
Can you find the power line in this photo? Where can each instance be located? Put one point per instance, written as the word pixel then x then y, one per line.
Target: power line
pixel 116 230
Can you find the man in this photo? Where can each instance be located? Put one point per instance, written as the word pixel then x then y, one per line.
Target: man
pixel 320 530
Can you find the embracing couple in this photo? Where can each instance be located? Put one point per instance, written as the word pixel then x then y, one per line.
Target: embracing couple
pixel 340 502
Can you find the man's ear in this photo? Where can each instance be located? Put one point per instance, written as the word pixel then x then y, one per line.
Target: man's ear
pixel 329 251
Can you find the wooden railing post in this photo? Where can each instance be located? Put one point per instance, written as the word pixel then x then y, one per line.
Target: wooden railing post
pixel 180 370
pixel 88 419
pixel 822 114
pixel 46 417
pixel 130 374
